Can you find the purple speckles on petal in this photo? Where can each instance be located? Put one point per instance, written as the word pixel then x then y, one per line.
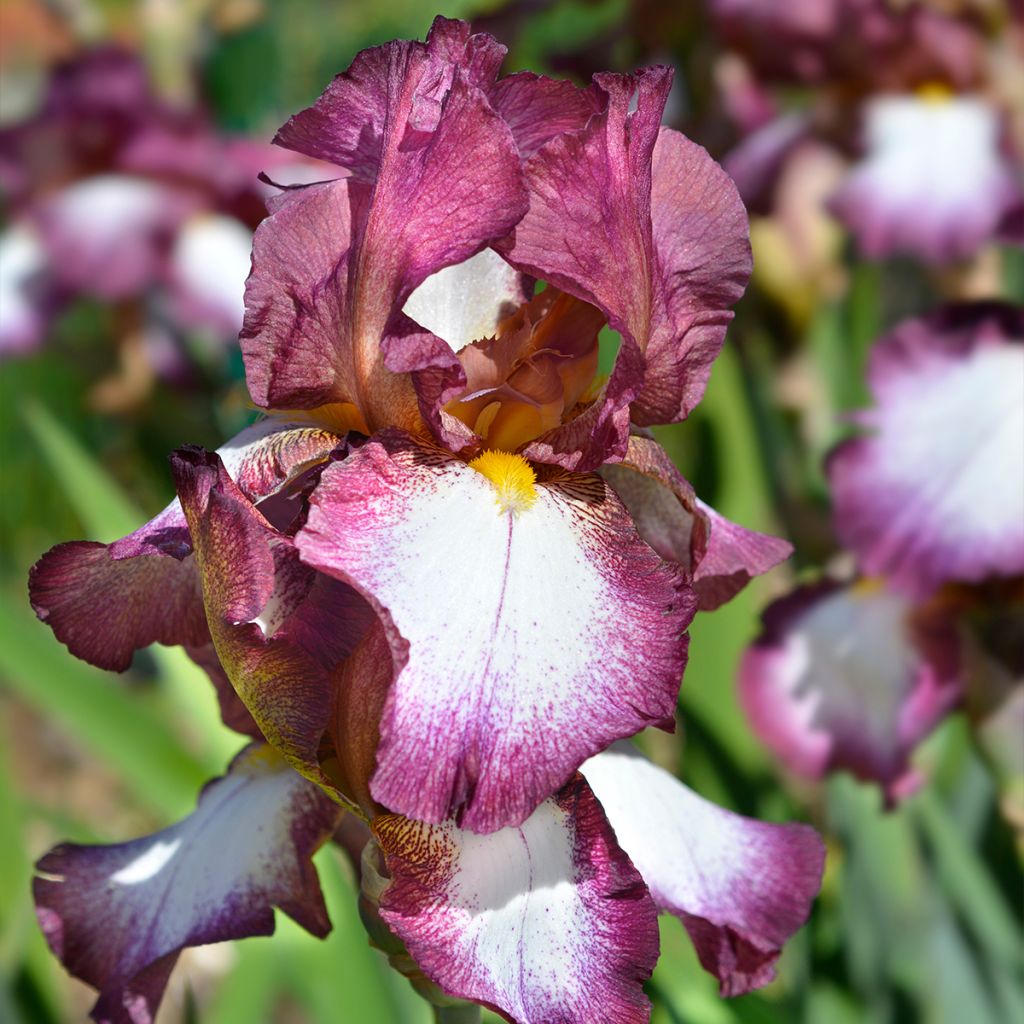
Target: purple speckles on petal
pixel 564 931
pixel 534 638
pixel 741 887
pixel 118 915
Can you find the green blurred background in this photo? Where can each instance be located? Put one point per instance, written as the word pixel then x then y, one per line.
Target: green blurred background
pixel 920 916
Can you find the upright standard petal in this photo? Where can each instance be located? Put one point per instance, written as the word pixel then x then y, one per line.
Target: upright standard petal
pixel 720 556
pixel 529 623
pixel 545 922
pixel 388 91
pixel 678 232
pixel 147 582
pixel 538 109
pixel 436 177
pixel 741 887
pixel 935 491
pixel 279 628
pixel 702 264
pixel 590 196
pixel 117 916
pixel 850 678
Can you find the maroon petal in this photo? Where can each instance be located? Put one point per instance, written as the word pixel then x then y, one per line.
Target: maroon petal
pixel 677 232
pixel 389 91
pixel 741 887
pixel 437 178
pixel 702 264
pixel 538 109
pixel 117 916
pixel 296 299
pixel 734 556
pixel 545 922
pixel 590 197
pixel 279 628
pixel 146 583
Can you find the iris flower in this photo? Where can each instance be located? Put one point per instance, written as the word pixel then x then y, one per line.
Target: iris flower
pixel 451 571
pixel 930 500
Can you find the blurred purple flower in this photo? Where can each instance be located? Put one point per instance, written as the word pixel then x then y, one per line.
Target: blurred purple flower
pixel 930 500
pixel 910 96
pixel 116 196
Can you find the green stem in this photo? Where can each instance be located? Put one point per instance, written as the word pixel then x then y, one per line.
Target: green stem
pixel 457 1014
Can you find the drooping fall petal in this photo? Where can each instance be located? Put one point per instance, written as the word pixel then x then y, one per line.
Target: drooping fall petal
pixel 530 623
pixel 117 916
pixel 279 628
pixel 702 260
pixel 547 921
pixel 147 582
pixel 850 678
pixel 933 183
pixel 741 887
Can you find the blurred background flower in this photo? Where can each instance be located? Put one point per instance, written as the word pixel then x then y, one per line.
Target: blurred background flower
pixel 878 145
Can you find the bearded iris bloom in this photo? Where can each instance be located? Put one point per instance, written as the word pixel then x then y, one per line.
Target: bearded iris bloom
pixel 450 568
